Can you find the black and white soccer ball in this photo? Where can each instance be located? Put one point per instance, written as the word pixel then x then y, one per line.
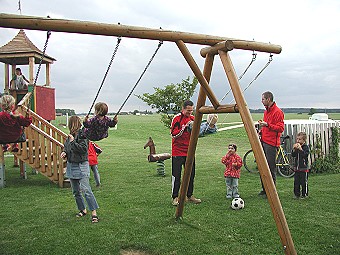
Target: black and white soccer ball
pixel 237 203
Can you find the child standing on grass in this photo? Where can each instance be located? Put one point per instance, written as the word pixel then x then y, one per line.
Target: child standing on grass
pixel 233 163
pixel 97 127
pixel 300 153
pixel 11 123
pixel 94 151
pixel 77 169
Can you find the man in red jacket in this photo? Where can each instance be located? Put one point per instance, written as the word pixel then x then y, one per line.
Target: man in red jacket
pixel 180 132
pixel 271 126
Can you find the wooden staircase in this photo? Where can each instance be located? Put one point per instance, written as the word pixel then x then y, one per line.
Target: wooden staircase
pixel 43 146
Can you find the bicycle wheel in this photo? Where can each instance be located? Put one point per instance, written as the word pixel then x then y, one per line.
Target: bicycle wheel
pixel 284 165
pixel 249 162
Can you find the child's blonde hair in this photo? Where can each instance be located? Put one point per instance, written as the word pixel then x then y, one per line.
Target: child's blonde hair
pixel 303 135
pixel 212 119
pixel 101 109
pixel 74 124
pixel 7 102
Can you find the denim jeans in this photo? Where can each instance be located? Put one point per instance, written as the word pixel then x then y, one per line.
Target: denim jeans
pixel 232 187
pixel 96 174
pixel 81 187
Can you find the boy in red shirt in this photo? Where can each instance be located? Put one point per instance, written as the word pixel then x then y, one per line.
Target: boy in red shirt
pixel 93 152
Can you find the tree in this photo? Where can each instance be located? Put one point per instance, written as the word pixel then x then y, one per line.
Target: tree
pixel 64 111
pixel 169 100
pixel 311 111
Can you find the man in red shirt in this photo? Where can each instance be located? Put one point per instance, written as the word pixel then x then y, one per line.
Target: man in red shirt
pixel 180 142
pixel 271 126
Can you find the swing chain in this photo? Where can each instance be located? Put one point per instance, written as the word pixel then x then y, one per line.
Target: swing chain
pixel 38 70
pixel 119 39
pixel 266 65
pixel 140 77
pixel 244 72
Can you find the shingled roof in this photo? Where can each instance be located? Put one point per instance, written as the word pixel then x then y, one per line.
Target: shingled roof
pixel 19 49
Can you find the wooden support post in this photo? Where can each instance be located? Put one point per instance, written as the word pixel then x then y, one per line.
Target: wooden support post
pixel 2 169
pixel 7 79
pixel 273 198
pixel 232 108
pixel 194 137
pixel 23 173
pixel 195 69
pixel 241 44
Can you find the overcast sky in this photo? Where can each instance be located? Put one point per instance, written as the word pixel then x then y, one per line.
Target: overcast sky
pixel 305 74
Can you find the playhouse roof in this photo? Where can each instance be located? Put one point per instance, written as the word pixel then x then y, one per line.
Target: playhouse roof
pixel 20 49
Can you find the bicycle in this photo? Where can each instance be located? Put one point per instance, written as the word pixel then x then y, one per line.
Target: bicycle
pixel 284 161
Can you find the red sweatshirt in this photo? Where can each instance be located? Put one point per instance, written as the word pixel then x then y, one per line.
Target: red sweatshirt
pixel 93 152
pixel 180 134
pixel 11 127
pixel 230 170
pixel 274 117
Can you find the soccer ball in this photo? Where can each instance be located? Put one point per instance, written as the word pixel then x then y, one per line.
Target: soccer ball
pixel 237 203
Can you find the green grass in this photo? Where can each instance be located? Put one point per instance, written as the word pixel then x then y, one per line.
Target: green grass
pixel 136 213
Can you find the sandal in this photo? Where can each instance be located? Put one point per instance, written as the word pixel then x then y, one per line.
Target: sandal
pixel 80 214
pixel 94 219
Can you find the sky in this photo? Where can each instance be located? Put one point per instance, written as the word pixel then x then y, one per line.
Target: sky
pixel 306 73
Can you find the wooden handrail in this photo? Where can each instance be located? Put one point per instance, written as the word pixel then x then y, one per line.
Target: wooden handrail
pixel 46 135
pixel 45 122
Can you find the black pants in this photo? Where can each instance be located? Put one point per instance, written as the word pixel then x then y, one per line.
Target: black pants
pixel 270 153
pixel 301 184
pixel 177 163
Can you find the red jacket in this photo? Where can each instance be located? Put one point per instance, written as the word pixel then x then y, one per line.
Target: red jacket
pixel 274 117
pixel 11 127
pixel 230 170
pixel 180 134
pixel 93 153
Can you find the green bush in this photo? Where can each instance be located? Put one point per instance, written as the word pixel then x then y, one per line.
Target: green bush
pixel 328 163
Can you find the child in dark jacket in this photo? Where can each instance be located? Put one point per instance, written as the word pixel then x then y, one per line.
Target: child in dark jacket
pixel 76 153
pixel 300 153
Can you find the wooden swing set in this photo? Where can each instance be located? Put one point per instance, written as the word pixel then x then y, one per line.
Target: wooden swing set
pixel 216 46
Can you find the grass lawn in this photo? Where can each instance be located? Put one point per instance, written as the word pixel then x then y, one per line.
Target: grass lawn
pixel 136 213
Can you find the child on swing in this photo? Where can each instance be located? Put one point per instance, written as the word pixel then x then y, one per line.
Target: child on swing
pixel 96 128
pixel 94 151
pixel 11 123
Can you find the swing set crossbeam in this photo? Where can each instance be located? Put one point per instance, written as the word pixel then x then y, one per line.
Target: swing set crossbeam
pixel 94 28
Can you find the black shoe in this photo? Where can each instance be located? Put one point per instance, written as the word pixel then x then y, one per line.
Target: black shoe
pixel 262 193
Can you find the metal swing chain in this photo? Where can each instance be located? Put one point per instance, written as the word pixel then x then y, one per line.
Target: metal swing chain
pixel 106 73
pixel 38 71
pixel 244 72
pixel 265 66
pixel 140 77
